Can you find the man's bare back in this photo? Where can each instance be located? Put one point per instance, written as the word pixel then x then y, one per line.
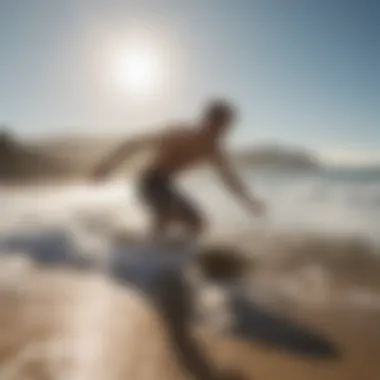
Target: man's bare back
pixel 182 149
pixel 174 152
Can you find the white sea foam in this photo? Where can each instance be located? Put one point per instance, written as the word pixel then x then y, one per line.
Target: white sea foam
pixel 297 202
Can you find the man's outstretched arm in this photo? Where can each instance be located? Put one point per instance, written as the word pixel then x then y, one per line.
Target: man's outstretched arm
pixel 123 152
pixel 233 182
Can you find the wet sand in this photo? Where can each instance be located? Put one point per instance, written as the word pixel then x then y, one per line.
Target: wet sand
pixel 63 323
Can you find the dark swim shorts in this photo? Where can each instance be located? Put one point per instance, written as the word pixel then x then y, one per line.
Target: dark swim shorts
pixel 161 195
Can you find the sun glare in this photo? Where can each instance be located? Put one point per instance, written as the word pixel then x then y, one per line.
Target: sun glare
pixel 140 71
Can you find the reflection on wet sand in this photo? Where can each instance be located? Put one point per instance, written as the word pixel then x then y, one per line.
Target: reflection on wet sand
pixel 80 324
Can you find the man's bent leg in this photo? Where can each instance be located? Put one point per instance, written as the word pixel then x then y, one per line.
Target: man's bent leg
pixel 160 226
pixel 189 217
pixel 156 194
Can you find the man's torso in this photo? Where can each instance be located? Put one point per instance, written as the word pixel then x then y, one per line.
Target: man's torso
pixel 181 150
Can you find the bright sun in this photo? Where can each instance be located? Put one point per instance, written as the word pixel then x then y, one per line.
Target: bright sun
pixel 140 70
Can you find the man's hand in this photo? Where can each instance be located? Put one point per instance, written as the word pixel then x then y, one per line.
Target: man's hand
pixel 98 174
pixel 257 207
pixel 229 176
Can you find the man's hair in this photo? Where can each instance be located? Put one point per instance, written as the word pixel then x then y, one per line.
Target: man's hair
pixel 219 110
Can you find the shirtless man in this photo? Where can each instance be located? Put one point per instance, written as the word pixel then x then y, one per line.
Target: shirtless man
pixel 176 151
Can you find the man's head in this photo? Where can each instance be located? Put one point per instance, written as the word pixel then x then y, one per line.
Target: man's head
pixel 217 116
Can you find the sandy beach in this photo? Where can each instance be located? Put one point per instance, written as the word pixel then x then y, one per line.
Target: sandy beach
pixel 83 324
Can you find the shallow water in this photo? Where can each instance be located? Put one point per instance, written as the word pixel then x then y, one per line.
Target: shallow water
pixel 327 283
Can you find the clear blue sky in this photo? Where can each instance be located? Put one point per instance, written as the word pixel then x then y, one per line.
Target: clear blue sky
pixel 301 71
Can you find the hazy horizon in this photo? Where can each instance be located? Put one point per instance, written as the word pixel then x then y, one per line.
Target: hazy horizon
pixel 335 157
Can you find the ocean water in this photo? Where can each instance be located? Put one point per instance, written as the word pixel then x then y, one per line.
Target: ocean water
pixel 334 201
